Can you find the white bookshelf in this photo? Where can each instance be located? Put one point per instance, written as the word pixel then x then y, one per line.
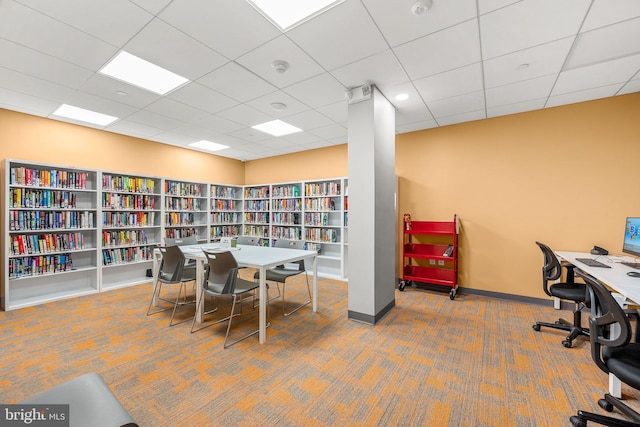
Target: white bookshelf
pixel 256 207
pixel 50 240
pixel 225 210
pixel 286 211
pixel 185 209
pixel 130 228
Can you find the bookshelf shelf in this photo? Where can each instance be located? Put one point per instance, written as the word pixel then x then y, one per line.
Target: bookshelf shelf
pixel 186 209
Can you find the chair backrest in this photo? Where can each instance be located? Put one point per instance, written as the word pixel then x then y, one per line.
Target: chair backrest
pixel 221 269
pixel 605 312
pixel 181 241
pixel 551 269
pixel 172 264
pixel 291 244
pixel 247 240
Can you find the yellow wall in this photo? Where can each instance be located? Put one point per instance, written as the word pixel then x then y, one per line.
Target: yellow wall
pixel 36 139
pixel 566 176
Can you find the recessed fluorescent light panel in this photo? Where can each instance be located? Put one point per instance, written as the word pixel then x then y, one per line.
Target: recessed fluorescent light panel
pixel 286 14
pixel 87 116
pixel 277 128
pixel 208 145
pixel 138 72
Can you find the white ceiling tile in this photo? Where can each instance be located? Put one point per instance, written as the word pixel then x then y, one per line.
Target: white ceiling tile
pixel 414 99
pixel 218 124
pixel 25 26
pixel 250 135
pixel 538 88
pixel 202 97
pixel 301 138
pixel 29 61
pixel 278 144
pixel 339 36
pixel 413 115
pixel 630 87
pixel 445 50
pixel 114 21
pixel 466 103
pixel 519 107
pixel 338 111
pixel 119 91
pixel 605 12
pixel 236 82
pixel 33 86
pixel 411 127
pixel 317 91
pixel 176 110
pixel 154 120
pixel 399 25
pixel 526 64
pixel 331 131
pixel 530 23
pixel 382 69
pixel 293 106
pixel 152 6
pixel 601 74
pixel 583 95
pixel 261 62
pixel 486 6
pixel 24 103
pixel 173 138
pixel 231 28
pixel 163 45
pixel 462 118
pixel 309 119
pixel 100 105
pixel 246 115
pixel 139 130
pixel 604 44
pixel 451 83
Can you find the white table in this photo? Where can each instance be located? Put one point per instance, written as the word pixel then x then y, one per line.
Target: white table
pixel 615 278
pixel 258 257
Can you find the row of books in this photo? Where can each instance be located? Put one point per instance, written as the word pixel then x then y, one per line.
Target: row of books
pixel 177 233
pixel 256 193
pixel 23 244
pixel 128 201
pixel 256 217
pixel 224 231
pixel 126 255
pixel 225 217
pixel 224 205
pixel 287 205
pixel 256 205
pixel 316 218
pixel 39 265
pixel 29 198
pixel 223 192
pixel 321 235
pixel 182 189
pixel 291 233
pixel 322 189
pixel 320 204
pixel 124 237
pixel 182 204
pixel 48 178
pixel 128 184
pixel 179 218
pixel 256 230
pixel 50 220
pixel 285 218
pixel 128 219
pixel 285 191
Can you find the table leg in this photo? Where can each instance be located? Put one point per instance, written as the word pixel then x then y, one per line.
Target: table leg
pixel 263 305
pixel 199 290
pixel 156 266
pixel 315 284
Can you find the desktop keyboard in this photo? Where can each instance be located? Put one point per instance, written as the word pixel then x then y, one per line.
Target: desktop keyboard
pixel 592 262
pixel 631 264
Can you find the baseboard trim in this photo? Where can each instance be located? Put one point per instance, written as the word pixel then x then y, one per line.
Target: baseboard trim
pixel 368 318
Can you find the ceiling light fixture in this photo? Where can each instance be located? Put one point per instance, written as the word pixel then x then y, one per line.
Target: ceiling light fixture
pixel 82 115
pixel 208 145
pixel 421 6
pixel 402 97
pixel 278 106
pixel 277 128
pixel 280 66
pixel 138 72
pixel 286 14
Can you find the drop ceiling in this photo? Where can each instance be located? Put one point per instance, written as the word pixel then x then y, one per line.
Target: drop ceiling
pixel 463 60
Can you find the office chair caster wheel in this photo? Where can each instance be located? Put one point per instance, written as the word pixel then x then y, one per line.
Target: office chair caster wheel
pixel 567 343
pixel 536 327
pixel 452 294
pixel 577 421
pixel 402 285
pixel 605 405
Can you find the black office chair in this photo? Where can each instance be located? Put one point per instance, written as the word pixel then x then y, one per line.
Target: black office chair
pixel 569 290
pixel 615 355
pixel 173 272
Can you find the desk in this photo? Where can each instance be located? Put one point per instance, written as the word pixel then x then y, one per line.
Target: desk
pixel 615 278
pixel 259 257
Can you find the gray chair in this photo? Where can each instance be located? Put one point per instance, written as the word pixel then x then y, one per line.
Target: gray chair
pixel 173 272
pixel 247 240
pixel 91 402
pixel 281 273
pixel 221 280
pixel 183 241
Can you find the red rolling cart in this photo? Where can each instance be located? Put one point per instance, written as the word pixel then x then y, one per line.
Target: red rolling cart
pixel 430 253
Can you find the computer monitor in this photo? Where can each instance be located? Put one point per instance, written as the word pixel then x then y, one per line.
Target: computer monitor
pixel 631 244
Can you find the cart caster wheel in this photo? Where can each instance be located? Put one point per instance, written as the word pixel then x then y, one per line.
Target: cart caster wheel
pixel 605 405
pixel 536 327
pixel 402 285
pixel 577 421
pixel 566 343
pixel 452 294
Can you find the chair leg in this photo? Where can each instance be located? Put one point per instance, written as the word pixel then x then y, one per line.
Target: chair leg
pixel 178 303
pixel 581 419
pixel 301 305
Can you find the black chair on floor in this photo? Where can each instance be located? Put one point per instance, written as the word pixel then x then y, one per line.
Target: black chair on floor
pixel 612 352
pixel 221 280
pixel 569 290
pixel 173 271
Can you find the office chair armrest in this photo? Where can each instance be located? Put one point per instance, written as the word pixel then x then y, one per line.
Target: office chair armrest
pixel 570 271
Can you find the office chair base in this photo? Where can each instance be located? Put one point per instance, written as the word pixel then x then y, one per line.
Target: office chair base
pixel 563 325
pixel 581 419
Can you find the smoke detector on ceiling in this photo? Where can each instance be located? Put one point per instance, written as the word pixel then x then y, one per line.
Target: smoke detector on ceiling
pixel 280 66
pixel 421 6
